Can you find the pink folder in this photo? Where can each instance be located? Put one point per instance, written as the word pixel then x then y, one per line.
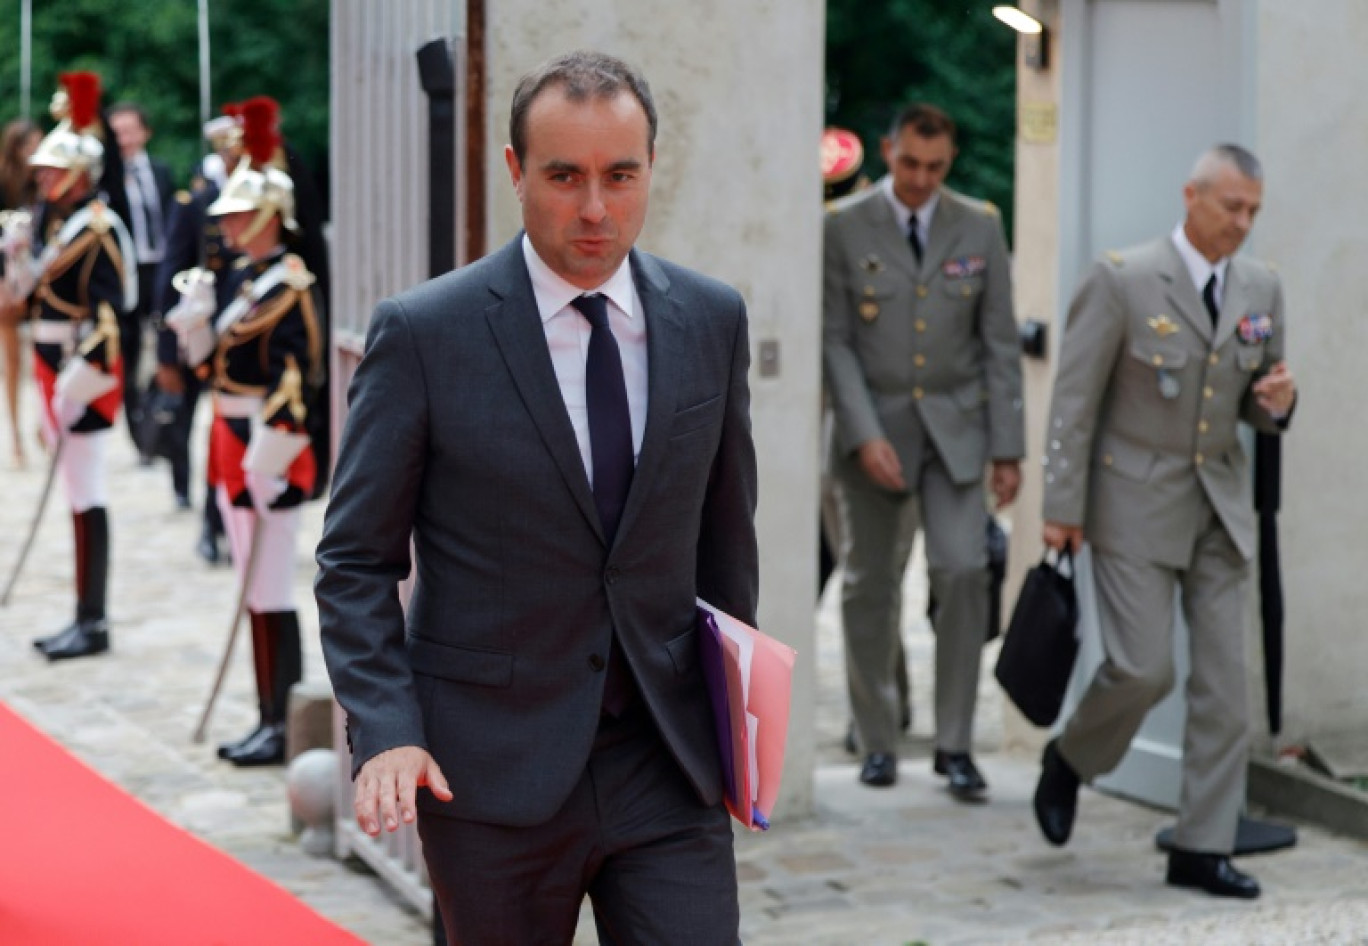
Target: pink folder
pixel 750 682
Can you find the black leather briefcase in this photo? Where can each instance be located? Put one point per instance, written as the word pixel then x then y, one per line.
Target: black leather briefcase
pixel 1038 651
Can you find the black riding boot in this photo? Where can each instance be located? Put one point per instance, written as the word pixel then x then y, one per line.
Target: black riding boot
pixel 89 633
pixel 261 666
pixel 279 664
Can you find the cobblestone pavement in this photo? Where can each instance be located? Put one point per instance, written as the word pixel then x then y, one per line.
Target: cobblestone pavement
pixel 898 866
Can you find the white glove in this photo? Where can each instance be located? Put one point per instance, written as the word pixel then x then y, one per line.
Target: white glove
pixel 67 412
pixel 190 317
pixel 21 274
pixel 16 238
pixel 264 488
pixel 197 302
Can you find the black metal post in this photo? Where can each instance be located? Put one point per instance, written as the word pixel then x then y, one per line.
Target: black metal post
pixel 437 73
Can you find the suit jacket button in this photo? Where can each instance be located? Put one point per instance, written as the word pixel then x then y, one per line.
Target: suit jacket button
pixel 611 575
pixel 596 663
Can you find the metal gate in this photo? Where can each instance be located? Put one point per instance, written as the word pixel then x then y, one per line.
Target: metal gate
pixel 380 212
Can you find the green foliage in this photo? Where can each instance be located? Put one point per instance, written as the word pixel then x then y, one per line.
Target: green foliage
pixel 148 52
pixel 887 54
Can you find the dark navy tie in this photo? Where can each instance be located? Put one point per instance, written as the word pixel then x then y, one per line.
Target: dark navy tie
pixel 1209 298
pixel 914 239
pixel 610 446
pixel 610 421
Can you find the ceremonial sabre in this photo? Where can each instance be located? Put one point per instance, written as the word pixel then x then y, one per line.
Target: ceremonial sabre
pixel 232 634
pixel 37 518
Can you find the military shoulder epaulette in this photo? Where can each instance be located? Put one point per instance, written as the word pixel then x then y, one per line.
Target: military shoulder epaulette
pixel 990 208
pixel 1115 258
pixel 296 275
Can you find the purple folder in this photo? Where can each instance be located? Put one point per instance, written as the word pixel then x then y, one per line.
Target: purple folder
pixel 715 676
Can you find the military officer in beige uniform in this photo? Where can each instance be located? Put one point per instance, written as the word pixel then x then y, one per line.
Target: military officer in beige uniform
pixel 1167 347
pixel 924 376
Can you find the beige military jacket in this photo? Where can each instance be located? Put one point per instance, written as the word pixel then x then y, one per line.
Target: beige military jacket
pixel 1147 398
pixel 928 349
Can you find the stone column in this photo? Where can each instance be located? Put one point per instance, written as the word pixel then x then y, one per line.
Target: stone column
pixel 1035 274
pixel 737 194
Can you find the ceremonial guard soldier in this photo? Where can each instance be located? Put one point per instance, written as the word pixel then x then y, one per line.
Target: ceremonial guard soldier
pixel 85 275
pixel 194 240
pixel 264 351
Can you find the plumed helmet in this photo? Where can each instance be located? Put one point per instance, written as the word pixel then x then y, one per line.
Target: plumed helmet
pixel 257 184
pixel 74 145
pixel 842 157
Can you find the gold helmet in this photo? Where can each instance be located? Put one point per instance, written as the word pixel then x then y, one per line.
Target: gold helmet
pixel 74 145
pixel 257 184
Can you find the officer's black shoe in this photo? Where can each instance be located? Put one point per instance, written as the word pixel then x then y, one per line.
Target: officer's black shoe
pixel 265 747
pixel 81 639
pixel 966 783
pixel 1056 796
pixel 226 750
pixel 207 546
pixel 182 501
pixel 880 769
pixel 1210 872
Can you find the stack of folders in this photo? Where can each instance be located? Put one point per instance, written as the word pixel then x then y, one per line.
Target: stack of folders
pixel 750 681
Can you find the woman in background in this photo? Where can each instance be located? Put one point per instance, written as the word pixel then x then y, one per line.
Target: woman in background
pixel 18 191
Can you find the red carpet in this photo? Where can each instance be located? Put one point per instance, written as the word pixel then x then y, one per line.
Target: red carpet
pixel 82 862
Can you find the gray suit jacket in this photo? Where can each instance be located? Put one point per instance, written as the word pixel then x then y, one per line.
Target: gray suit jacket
pixel 933 348
pixel 458 435
pixel 1147 398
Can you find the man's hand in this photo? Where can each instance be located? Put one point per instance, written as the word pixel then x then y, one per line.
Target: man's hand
pixel 880 463
pixel 169 379
pixel 1058 537
pixel 387 784
pixel 1006 481
pixel 1276 391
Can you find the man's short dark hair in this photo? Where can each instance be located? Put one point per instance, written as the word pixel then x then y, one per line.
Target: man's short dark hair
pixel 581 75
pixel 926 120
pixel 132 108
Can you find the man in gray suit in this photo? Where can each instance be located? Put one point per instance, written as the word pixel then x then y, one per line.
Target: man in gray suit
pixel 563 429
pixel 924 376
pixel 1168 346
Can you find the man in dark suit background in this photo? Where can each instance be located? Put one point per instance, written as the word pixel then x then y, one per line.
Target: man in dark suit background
pixel 149 188
pixel 563 429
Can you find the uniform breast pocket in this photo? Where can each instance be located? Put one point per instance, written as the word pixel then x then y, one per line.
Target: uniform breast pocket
pixel 967 287
pixel 1158 355
pixel 1250 357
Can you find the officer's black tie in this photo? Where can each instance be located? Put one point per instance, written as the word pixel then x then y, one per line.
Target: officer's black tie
pixel 1209 297
pixel 914 239
pixel 610 443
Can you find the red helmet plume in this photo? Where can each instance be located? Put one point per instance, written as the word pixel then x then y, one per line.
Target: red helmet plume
pixel 83 92
pixel 260 128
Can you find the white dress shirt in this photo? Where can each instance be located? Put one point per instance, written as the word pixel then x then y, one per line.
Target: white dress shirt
pixel 1199 267
pixel 567 338
pixel 905 214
